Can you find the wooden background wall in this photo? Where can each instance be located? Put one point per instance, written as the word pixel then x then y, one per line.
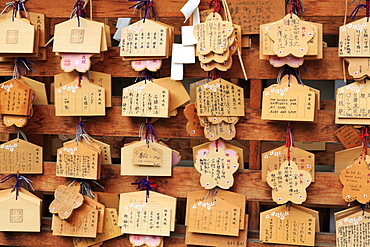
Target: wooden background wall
pixel 252 132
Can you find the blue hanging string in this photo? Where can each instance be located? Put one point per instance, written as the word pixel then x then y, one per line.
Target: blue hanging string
pixel 147 185
pixel 358 7
pixel 21 64
pixel 85 188
pixel 19 178
pixel 148 8
pixel 78 11
pixel 150 134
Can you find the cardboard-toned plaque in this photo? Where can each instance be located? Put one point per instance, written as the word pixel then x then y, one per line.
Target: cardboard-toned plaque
pixel 283 225
pixel 353 38
pixel 16 36
pixel 289 183
pixel 348 136
pixel 22 214
pixel 217 169
pixel 66 199
pixel 141 197
pixel 80 99
pixel 220 98
pixel 19 156
pixel 16 98
pixel 145 99
pixel 77 36
pixel 128 166
pixel 272 159
pixel 289 101
pixel 355 179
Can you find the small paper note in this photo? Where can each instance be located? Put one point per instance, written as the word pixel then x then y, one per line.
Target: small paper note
pixel 147 155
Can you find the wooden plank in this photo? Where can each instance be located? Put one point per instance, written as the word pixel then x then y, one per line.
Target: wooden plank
pixel 249 127
pixel 329 68
pixel 326 190
pixel 170 8
pixel 254 209
pixel 255 155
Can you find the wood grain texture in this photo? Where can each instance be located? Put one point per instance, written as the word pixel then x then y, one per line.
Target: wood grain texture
pixel 329 68
pixel 249 127
pixel 325 191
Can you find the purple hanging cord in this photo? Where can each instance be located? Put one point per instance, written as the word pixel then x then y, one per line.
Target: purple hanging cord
pixel 147 185
pixel 27 183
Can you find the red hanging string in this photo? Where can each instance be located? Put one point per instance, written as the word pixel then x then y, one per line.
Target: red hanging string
pixel 288 140
pixel 217 145
pixel 291 8
pixel 79 80
pixel 216 5
pixel 364 135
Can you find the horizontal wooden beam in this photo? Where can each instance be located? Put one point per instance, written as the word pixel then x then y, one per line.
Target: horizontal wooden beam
pixel 329 68
pixel 326 190
pixel 46 239
pixel 169 8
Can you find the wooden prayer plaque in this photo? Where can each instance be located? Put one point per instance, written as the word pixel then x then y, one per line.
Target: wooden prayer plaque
pixel 352 105
pixel 213 217
pixel 251 14
pixel 354 39
pixel 147 155
pixel 287 226
pixel 145 218
pixel 348 136
pixel 141 197
pixel 358 67
pixel 74 227
pixel 193 127
pixel 271 160
pixel 78 36
pixel 16 98
pixel 222 130
pixel 67 198
pixel 84 100
pixel 289 183
pixel 355 179
pixel 128 166
pixel 352 229
pixel 144 38
pixel 78 160
pixel 213 34
pixel 220 98
pixel 217 169
pixel 236 199
pixel 145 99
pixel 22 214
pixel 291 103
pixel 20 156
pixel 38 88
pixel 146 240
pixel 110 230
pixel 16 36
pixel 346 157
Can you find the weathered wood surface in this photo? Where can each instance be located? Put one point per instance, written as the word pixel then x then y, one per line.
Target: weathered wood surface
pixel 170 8
pixel 176 240
pixel 329 68
pixel 326 190
pixel 249 127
